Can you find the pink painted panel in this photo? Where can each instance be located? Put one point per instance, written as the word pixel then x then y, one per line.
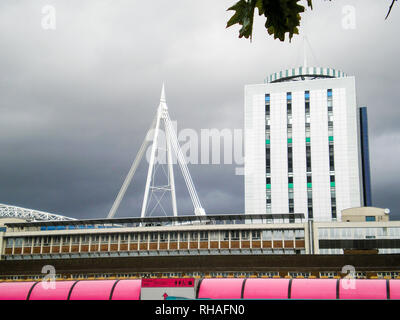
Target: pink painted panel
pixel 362 289
pixel 266 289
pixel 170 283
pixel 394 289
pixel 221 289
pixel 313 289
pixel 127 290
pixel 15 290
pixel 92 290
pixel 60 292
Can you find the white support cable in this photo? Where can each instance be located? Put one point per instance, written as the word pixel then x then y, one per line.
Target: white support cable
pixel 131 172
pixel 171 179
pixel 185 171
pixel 188 179
pixel 151 163
pixel 182 164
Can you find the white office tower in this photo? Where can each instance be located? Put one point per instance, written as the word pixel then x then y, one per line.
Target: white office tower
pixel 306 145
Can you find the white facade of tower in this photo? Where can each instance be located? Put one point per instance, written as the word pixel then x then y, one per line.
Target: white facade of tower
pixel 337 126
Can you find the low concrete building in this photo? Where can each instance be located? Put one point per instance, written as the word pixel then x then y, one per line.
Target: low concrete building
pixel 361 214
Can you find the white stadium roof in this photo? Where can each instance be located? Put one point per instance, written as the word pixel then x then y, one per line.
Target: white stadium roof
pixel 7 211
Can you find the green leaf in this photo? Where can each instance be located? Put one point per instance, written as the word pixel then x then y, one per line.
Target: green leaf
pixel 243 16
pixel 282 16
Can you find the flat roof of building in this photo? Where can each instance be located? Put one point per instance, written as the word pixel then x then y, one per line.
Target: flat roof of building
pixel 165 220
pixel 304 72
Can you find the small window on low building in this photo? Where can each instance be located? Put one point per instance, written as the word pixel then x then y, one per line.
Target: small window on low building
pixel 370 218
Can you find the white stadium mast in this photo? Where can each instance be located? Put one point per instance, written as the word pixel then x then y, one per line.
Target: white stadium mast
pixel 162 116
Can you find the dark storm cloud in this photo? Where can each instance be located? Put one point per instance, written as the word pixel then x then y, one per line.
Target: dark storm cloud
pixel 75 102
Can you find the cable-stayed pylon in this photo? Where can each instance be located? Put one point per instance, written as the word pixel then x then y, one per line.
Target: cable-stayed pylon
pixel 172 145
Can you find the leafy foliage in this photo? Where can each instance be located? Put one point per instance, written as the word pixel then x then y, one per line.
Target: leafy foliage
pixel 283 16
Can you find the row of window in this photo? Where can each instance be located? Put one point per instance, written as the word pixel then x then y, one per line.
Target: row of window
pixel 331 153
pixel 268 154
pixel 268 274
pixel 290 153
pixel 310 213
pixel 292 234
pixel 360 244
pixel 359 233
pixel 308 153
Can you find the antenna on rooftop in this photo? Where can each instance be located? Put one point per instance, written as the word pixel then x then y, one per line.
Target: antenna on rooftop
pixel 304 52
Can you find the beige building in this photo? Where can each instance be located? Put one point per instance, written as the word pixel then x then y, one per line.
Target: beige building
pixel 361 214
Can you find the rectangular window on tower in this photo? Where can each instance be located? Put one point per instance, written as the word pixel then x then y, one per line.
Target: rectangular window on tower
pixel 333 203
pixel 289 106
pixel 330 106
pixel 268 159
pixel 267 104
pixel 308 158
pixel 331 158
pixel 290 159
pixel 289 134
pixel 291 201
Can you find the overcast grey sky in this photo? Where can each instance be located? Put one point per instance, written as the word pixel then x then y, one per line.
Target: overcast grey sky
pixel 75 102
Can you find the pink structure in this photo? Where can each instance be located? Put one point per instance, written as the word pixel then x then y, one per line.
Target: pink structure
pixel 394 291
pixel 220 289
pixel 92 290
pixel 363 289
pixel 15 290
pixel 60 291
pixel 313 289
pixel 266 289
pixel 127 290
pixel 210 289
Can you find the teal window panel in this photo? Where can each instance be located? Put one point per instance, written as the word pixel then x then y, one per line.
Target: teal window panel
pixel 333 184
pixel 268 186
pixel 267 141
pixel 309 185
pixel 290 185
pixel 330 138
pixel 370 218
pixel 289 140
pixel 308 139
